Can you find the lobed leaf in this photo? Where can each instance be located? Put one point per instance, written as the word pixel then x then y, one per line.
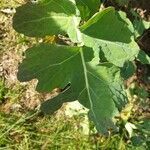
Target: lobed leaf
pixel 48 17
pixel 97 87
pixel 114 37
pixel 96 84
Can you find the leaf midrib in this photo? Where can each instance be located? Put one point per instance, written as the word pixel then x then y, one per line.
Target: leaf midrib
pixel 87 85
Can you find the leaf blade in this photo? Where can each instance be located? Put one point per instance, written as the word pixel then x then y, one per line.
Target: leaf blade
pixel 95 86
pixel 114 37
pixel 46 18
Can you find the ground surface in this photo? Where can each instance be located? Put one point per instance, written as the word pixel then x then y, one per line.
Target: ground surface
pixel 22 126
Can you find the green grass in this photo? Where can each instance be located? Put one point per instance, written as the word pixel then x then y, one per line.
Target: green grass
pixel 32 130
pixel 2 90
pixel 11 94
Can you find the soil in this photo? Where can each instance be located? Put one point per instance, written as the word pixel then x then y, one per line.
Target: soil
pixel 143 6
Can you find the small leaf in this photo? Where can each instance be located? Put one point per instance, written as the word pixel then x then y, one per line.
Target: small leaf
pixel 88 8
pixel 144 127
pixel 138 141
pixel 129 127
pixel 140 25
pixel 143 57
pixel 128 70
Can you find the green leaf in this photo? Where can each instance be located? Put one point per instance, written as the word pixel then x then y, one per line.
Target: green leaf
pixel 144 126
pixel 73 31
pixel 130 127
pixel 139 24
pixel 88 7
pixel 128 70
pixel 143 57
pixel 97 86
pixel 114 36
pixel 52 105
pixel 48 17
pixel 55 61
